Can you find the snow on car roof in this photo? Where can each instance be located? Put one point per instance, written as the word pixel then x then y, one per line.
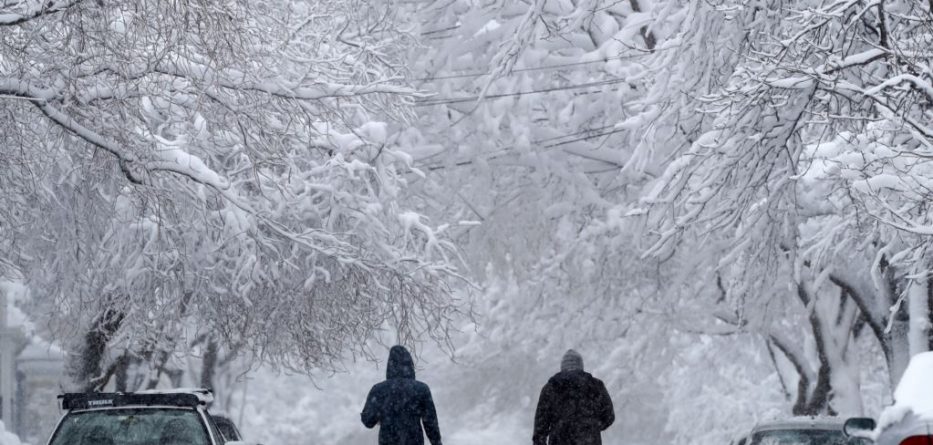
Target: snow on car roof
pixel 915 389
pixel 94 400
pixel 914 393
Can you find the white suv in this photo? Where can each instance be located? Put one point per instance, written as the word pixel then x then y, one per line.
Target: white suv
pixel 177 417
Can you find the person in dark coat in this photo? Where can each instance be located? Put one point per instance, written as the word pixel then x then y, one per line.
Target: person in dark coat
pixel 574 407
pixel 401 405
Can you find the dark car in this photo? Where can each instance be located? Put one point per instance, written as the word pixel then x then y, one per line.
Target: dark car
pixel 227 428
pixel 144 418
pixel 801 431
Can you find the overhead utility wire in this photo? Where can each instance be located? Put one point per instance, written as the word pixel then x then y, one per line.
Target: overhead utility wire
pixel 502 152
pixel 504 149
pixel 438 31
pixel 449 101
pixel 522 70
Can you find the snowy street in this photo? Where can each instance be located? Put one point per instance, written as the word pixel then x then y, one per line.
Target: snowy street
pixel 466 222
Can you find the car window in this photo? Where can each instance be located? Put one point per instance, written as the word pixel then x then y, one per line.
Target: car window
pixel 227 428
pixel 132 427
pixel 800 437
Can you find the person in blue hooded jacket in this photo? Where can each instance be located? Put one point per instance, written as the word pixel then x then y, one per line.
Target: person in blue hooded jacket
pixel 401 405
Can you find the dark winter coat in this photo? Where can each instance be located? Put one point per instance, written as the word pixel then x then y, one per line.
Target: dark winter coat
pixel 401 405
pixel 573 409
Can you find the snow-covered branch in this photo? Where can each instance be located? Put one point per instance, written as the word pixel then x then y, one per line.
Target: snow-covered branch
pixel 921 85
pixel 41 98
pixel 173 160
pixel 11 17
pixel 260 171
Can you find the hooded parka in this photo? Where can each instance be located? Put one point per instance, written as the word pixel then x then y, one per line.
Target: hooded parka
pixel 401 405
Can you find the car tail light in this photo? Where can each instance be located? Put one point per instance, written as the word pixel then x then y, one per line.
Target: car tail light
pixel 918 440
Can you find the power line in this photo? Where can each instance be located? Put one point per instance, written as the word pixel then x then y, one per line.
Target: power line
pixel 586 138
pixel 503 151
pixel 449 101
pixel 576 133
pixel 437 31
pixel 521 70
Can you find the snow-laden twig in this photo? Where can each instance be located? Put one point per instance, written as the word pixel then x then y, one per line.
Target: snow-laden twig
pixel 11 18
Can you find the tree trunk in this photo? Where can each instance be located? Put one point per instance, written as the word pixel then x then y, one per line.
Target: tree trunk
pixel 164 347
pixel 828 387
pixel 898 342
pixel 209 365
pixel 818 403
pixel 918 308
pixel 121 376
pixel 930 311
pixel 86 371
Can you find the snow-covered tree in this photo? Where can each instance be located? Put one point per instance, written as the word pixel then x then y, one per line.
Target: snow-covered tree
pixel 520 143
pixel 766 151
pixel 806 146
pixel 178 168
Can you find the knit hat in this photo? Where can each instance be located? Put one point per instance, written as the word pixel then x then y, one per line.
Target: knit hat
pixel 572 361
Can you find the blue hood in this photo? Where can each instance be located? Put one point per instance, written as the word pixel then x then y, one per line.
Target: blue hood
pixel 401 365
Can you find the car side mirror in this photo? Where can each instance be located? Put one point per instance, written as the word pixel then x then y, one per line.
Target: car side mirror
pixel 859 426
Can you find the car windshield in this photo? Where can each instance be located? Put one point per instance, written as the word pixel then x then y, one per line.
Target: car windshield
pixel 800 437
pixel 132 427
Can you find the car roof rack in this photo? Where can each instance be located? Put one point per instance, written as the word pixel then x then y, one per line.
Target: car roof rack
pixel 181 398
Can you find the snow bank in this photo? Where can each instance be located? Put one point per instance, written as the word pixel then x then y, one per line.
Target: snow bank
pixel 16 292
pixel 914 394
pixel 8 438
